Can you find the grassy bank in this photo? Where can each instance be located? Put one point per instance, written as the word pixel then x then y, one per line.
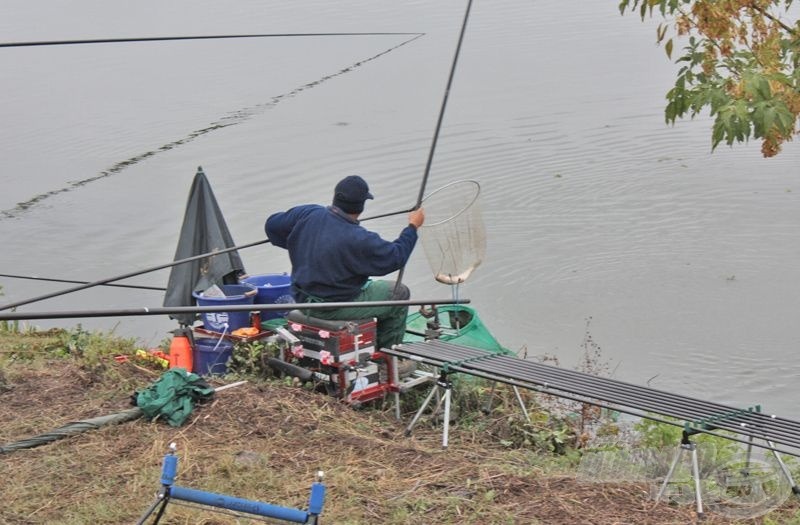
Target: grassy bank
pixel 264 440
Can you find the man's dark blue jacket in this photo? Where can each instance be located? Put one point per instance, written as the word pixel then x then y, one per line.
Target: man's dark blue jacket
pixel 332 255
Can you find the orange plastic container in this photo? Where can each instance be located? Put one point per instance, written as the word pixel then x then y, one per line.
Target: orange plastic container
pixel 180 351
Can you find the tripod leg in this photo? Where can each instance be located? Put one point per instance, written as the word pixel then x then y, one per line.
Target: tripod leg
pixel 421 410
pixel 669 473
pixel 785 470
pixel 440 399
pixel 696 475
pixel 488 406
pixel 396 381
pixel 397 406
pixel 162 500
pixel 522 404
pixel 446 429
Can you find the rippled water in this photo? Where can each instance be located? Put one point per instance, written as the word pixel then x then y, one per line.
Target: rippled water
pixel 680 263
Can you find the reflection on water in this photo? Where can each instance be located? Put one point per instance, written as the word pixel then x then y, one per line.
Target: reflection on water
pixel 684 260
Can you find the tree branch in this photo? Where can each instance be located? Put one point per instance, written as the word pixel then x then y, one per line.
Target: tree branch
pixel 772 17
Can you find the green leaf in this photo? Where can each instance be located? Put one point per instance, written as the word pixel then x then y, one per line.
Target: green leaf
pixel 661 32
pixel 717 133
pixel 785 119
pixel 769 119
pixel 762 87
pixel 730 131
pixel 710 81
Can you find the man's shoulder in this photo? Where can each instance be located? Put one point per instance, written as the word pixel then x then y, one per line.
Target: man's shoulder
pixel 304 209
pixel 293 215
pixel 308 207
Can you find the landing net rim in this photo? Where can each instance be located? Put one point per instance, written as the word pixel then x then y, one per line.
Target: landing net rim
pixel 477 186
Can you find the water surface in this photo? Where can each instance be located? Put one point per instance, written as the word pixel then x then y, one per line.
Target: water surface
pixel 680 262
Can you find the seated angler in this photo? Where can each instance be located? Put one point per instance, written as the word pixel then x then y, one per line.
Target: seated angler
pixel 333 258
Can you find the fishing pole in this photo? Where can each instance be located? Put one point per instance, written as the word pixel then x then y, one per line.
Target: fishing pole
pixel 435 139
pixel 390 214
pixel 131 274
pixel 196 37
pixel 52 280
pixel 66 314
pixel 444 105
pixel 105 282
pixel 83 284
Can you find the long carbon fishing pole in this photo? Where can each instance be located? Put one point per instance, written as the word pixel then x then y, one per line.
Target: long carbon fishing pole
pixel 123 312
pixel 435 139
pixel 195 37
pixel 70 281
pixel 83 285
pixel 126 275
pixel 444 105
pixel 706 416
pixel 104 282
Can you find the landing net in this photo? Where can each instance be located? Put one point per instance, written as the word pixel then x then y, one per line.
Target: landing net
pixel 453 236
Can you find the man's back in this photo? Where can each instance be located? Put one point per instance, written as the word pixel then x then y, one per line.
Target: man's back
pixel 333 258
pixel 332 255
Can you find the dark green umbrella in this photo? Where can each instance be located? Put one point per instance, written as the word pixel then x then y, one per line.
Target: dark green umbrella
pixel 203 231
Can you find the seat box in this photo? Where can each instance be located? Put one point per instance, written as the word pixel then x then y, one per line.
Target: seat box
pixel 334 341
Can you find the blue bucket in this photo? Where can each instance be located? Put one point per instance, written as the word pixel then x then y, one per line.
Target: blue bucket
pixel 273 288
pixel 234 294
pixel 211 356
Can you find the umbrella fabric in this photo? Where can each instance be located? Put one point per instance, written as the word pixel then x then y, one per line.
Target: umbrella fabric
pixel 203 231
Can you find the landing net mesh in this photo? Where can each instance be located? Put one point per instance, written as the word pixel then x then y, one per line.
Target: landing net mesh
pixel 453 236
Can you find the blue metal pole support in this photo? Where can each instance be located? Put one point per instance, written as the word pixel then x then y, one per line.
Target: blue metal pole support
pixel 238 504
pixel 317 498
pixel 170 491
pixel 168 469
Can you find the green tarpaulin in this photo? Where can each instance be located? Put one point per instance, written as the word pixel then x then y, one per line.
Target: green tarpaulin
pixel 173 396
